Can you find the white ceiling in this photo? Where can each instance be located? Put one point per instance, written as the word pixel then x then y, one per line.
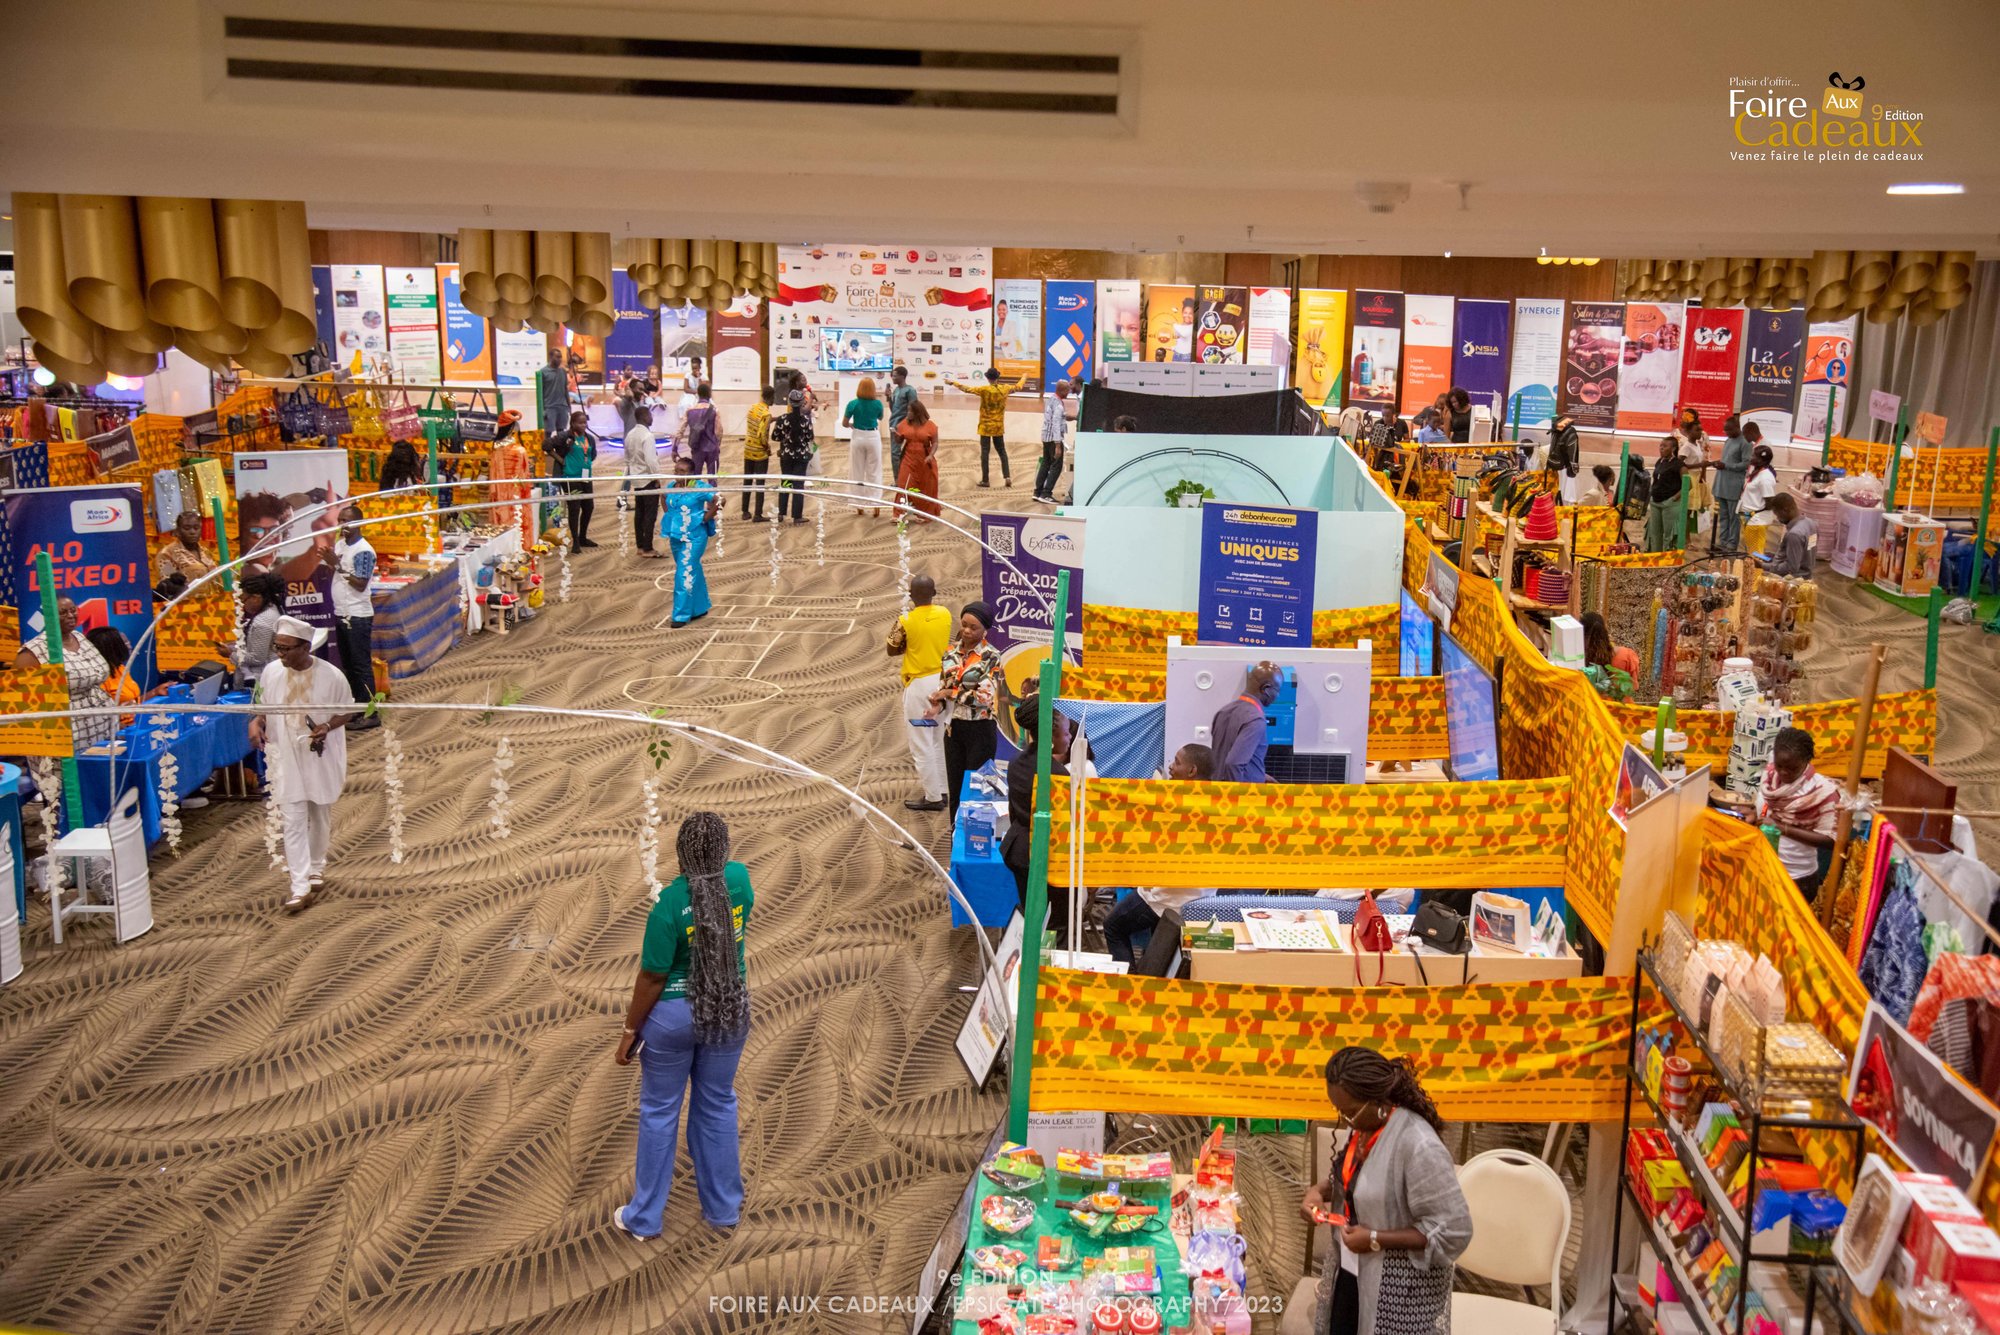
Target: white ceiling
pixel 1591 130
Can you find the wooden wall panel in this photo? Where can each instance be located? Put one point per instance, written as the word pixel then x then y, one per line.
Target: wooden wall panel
pixel 1468 276
pixel 397 249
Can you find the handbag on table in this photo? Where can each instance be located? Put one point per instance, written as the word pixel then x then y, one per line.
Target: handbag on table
pixel 1371 932
pixel 1441 928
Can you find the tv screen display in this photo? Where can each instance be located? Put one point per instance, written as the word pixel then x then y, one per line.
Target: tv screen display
pixel 1469 704
pixel 855 351
pixel 1418 639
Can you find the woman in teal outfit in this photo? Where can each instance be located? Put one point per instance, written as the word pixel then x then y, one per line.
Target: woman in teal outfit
pixel 687 521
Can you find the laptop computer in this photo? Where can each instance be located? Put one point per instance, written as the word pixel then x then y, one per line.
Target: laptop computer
pixel 209 688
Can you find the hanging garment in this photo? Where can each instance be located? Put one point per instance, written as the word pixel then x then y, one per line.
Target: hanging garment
pixel 1894 964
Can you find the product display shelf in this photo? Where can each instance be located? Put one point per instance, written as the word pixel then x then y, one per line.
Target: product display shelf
pixel 1668 1257
pixel 1835 1304
pixel 1750 1108
pixel 1513 543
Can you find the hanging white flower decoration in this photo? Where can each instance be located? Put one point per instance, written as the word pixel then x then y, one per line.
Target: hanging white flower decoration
pixel 503 760
pixel 819 532
pixel 720 511
pixel 562 587
pixel 903 558
pixel 624 536
pixel 649 839
pixel 392 789
pixel 236 602
pixel 774 539
pixel 274 830
pixel 48 778
pixel 170 774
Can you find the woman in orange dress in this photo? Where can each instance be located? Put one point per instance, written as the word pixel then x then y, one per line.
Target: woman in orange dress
pixel 919 473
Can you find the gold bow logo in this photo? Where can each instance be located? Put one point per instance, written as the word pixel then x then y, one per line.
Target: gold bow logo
pixel 1843 96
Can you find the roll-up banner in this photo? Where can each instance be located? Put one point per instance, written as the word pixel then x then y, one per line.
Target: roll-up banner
pixel 1270 327
pixel 736 354
pixel 96 541
pixel 1120 334
pixel 1590 366
pixel 1321 359
pixel 1221 324
pixel 360 315
pixel 1771 371
pixel 468 343
pixel 634 341
pixel 1376 369
pixel 1426 351
pixel 1708 363
pixel 1536 364
pixel 1649 369
pixel 1069 329
pixel 1017 331
pixel 1479 358
pixel 1170 309
pixel 1829 355
pixel 413 323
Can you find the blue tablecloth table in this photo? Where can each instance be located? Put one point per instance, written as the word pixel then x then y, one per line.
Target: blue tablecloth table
pixel 203 744
pixel 986 882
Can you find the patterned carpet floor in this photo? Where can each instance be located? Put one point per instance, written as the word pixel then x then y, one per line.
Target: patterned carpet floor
pixel 397 1112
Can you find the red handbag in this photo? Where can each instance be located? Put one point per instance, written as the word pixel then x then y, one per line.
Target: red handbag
pixel 1371 932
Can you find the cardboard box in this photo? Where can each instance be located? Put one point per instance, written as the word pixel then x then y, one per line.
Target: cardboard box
pixel 1955 1252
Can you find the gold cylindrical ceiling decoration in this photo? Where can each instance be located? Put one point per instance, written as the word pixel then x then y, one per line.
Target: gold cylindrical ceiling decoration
pixel 1714 269
pixel 195 351
pixel 555 264
pixel 673 264
pixel 591 268
pixel 674 303
pixel 87 371
pixel 1740 270
pixel 224 339
pixel 767 263
pixel 295 329
pixel 1925 315
pixel 1949 301
pixel 723 262
pixel 1871 271
pixel 508 324
pixel 1914 270
pixel 1828 284
pixel 260 359
pixel 183 273
pixel 548 328
pixel 548 312
pixel 767 285
pixel 100 239
pixel 475 264
pixel 649 298
pixel 477 305
pixel 513 266
pixel 246 238
pixel 701 263
pixel 596 319
pixel 118 359
pixel 1954 271
pixel 1770 272
pixel 148 337
pixel 643 260
pixel 516 312
pixel 41 283
pixel 720 294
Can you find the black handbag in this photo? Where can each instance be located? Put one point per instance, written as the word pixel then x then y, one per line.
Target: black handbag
pixel 478 422
pixel 1441 927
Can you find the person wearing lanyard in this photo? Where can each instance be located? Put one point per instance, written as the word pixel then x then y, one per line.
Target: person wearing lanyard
pixel 965 700
pixel 1402 1221
pixel 1238 734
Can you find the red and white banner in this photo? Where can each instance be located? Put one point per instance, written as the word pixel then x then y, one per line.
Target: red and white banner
pixel 1709 363
pixel 934 300
pixel 1426 351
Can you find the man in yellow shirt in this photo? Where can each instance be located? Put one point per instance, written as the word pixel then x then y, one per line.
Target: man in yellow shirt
pixel 921 637
pixel 992 398
pixel 757 449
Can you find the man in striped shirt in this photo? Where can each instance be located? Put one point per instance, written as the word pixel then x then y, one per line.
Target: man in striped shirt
pixel 992 398
pixel 1054 423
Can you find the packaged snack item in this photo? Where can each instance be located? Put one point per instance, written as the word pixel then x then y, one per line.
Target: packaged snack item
pixel 1953 1251
pixel 1017 1170
pixel 1875 1213
pixel 999 1261
pixel 1007 1215
pixel 1055 1253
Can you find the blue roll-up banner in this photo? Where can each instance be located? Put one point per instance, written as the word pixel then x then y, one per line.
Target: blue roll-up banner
pixel 1480 356
pixel 634 341
pixel 96 541
pixel 1069 326
pixel 1257 565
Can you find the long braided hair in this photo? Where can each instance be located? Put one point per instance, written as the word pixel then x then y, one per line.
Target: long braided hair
pixel 1373 1078
pixel 717 995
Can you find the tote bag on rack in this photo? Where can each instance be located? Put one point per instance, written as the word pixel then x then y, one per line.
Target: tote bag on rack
pixel 478 422
pixel 399 417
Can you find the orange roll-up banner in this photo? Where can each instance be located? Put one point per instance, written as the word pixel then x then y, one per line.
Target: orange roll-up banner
pixel 1507 1052
pixel 1272 836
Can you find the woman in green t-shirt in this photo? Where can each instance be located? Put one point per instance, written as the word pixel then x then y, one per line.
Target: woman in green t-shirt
pixel 689 1018
pixel 864 447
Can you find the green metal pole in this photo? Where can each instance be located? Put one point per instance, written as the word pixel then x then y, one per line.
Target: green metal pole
pixel 45 579
pixel 1624 469
pixel 1985 506
pixel 1826 446
pixel 1038 878
pixel 1687 485
pixel 431 449
pixel 1889 505
pixel 221 544
pixel 1935 617
pixel 1517 418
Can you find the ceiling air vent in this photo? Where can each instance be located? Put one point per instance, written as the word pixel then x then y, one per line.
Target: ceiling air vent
pixel 707 67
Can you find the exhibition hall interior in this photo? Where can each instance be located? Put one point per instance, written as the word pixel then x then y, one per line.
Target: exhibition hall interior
pixel 1063 669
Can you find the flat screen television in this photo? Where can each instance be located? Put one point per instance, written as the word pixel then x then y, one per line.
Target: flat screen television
pixel 1470 704
pixel 856 351
pixel 1417 639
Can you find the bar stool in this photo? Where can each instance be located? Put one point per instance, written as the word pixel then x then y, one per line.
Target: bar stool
pixel 120 843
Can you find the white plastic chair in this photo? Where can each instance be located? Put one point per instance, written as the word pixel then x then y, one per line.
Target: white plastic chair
pixel 121 844
pixel 1520 1222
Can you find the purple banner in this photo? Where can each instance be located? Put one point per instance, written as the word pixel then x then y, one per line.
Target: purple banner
pixel 1479 356
pixel 1024 556
pixel 634 341
pixel 1770 390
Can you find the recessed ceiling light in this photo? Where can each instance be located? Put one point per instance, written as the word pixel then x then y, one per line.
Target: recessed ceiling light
pixel 1447 254
pixel 1928 188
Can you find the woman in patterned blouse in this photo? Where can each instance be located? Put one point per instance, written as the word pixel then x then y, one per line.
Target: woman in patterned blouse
pixel 965 700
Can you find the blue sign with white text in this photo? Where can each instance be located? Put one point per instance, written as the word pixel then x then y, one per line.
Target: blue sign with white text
pixel 1257 566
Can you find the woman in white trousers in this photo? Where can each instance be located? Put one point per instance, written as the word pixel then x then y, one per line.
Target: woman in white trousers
pixel 864 447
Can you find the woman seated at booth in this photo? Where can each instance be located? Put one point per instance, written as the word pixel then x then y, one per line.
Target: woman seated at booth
pixel 1140 911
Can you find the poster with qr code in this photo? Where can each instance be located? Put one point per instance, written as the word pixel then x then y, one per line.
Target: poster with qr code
pixel 1025 554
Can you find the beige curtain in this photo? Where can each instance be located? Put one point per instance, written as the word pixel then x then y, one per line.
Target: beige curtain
pixel 1952 368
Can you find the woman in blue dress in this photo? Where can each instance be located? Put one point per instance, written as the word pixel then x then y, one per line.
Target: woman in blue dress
pixel 687 521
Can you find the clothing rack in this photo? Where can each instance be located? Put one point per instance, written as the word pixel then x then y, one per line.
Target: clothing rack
pixel 1896 838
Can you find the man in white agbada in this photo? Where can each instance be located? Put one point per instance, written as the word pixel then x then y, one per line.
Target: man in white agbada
pixel 305 754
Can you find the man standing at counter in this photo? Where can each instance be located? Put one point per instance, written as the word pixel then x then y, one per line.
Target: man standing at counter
pixel 1238 735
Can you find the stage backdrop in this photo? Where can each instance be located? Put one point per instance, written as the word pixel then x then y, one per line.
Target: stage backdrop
pixel 1536 364
pixel 1708 370
pixel 1068 353
pixel 96 541
pixel 1771 371
pixel 1322 346
pixel 1479 357
pixel 1426 351
pixel 1649 371
pixel 1590 365
pixel 937 300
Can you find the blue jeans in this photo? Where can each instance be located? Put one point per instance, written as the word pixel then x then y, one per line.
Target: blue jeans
pixel 1728 526
pixel 670 1056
